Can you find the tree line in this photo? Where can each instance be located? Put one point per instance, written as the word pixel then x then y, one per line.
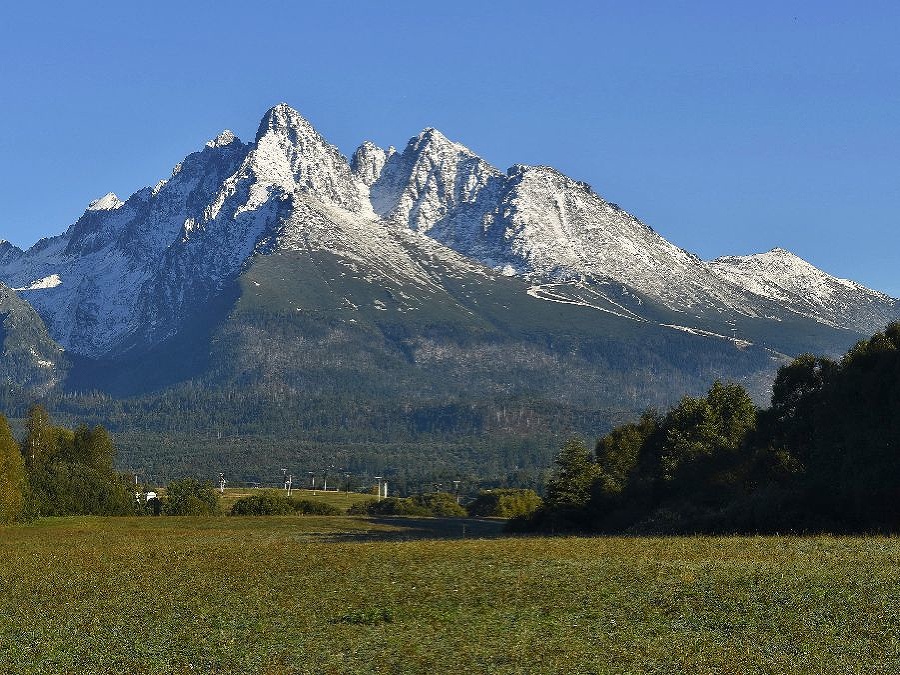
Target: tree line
pixel 823 457
pixel 56 471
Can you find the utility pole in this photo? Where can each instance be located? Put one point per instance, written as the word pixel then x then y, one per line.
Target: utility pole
pixel 456 490
pixel 378 478
pixel 222 482
pixel 289 484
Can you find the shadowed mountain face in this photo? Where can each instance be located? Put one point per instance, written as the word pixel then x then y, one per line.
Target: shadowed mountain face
pixel 31 363
pixel 280 268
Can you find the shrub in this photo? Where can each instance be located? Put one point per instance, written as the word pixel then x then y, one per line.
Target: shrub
pixel 361 508
pixel 391 506
pixel 273 503
pixel 265 503
pixel 191 497
pixel 440 504
pixel 504 503
pixel 435 504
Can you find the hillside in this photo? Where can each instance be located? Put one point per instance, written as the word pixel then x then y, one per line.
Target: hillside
pixel 417 309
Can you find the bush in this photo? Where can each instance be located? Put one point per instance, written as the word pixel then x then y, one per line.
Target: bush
pixel 273 503
pixel 504 503
pixel 434 504
pixel 71 472
pixel 390 506
pixel 191 497
pixel 441 505
pixel 265 503
pixel 362 508
pixel 64 489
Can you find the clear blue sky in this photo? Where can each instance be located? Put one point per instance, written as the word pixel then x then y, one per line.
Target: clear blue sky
pixel 728 129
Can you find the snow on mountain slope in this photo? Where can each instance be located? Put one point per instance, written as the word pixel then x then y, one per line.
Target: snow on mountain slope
pixel 127 273
pixel 791 281
pixel 290 156
pixel 369 160
pixel 548 226
pixel 430 179
pixel 108 202
pixel 103 260
pixel 537 223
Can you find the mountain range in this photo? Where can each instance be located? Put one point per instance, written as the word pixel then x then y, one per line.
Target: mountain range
pixel 422 285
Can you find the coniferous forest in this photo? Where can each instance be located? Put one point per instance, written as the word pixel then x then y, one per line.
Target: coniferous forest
pixel 822 457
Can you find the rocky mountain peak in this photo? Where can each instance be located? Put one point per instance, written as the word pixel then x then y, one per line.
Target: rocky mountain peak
pixel 432 176
pixel 108 202
pixel 127 273
pixel 283 119
pixel 368 161
pixel 223 139
pixel 788 279
pixel 291 156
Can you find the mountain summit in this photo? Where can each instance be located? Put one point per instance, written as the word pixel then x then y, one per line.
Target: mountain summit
pixel 409 226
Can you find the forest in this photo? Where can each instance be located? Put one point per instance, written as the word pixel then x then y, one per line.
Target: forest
pixel 822 457
pixel 57 471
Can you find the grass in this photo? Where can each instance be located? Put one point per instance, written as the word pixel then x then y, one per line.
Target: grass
pixel 347 595
pixel 339 499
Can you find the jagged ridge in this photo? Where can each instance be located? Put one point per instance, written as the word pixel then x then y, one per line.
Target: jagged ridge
pixel 126 274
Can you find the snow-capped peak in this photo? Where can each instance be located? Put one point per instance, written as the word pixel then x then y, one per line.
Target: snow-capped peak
pixel 108 202
pixel 778 266
pixel 368 161
pixel 432 141
pixel 432 176
pixel 128 272
pixel 223 139
pixel 283 119
pixel 790 280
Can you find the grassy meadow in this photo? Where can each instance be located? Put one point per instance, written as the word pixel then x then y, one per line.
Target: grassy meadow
pixel 305 594
pixel 337 498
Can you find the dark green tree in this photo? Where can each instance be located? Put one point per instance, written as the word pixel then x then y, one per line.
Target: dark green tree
pixel 571 484
pixel 699 429
pixel 619 452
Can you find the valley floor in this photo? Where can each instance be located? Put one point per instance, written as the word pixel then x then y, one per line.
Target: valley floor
pixel 341 594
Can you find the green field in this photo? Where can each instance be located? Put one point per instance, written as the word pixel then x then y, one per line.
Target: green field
pixel 339 499
pixel 309 594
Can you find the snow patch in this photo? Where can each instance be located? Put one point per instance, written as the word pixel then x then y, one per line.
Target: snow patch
pixel 108 202
pixel 738 342
pixel 47 282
